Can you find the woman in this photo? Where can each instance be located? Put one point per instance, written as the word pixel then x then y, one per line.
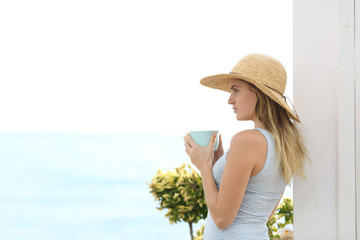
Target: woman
pixel 244 185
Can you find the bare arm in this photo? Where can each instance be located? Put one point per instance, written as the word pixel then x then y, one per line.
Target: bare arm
pixel 224 203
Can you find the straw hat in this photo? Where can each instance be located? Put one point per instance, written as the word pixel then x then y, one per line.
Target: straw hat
pixel 265 72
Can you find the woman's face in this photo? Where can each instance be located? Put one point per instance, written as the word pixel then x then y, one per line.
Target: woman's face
pixel 243 100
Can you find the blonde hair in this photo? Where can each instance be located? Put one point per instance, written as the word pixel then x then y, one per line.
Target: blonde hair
pixel 288 139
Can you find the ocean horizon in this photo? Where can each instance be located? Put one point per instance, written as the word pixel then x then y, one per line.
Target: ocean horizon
pixel 86 186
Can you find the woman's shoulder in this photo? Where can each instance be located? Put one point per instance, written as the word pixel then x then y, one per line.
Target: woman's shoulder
pixel 250 139
pixel 249 144
pixel 250 136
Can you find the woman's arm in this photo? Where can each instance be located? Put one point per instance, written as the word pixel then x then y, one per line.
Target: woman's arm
pixel 224 203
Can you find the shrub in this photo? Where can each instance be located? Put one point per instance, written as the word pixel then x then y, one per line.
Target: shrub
pixel 181 192
pixel 284 210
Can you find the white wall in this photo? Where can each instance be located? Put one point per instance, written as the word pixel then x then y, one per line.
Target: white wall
pixel 357 109
pixel 325 204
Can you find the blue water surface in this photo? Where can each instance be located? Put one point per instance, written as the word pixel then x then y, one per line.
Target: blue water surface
pixel 85 186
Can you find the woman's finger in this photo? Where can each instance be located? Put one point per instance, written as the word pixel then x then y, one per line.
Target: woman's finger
pixel 220 142
pixel 187 144
pixel 212 141
pixel 190 140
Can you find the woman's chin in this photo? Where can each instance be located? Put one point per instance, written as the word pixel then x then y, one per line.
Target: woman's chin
pixel 239 118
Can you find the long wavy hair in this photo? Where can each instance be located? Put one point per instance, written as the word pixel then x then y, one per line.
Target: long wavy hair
pixel 288 138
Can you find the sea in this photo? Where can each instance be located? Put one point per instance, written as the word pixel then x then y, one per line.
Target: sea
pixel 86 186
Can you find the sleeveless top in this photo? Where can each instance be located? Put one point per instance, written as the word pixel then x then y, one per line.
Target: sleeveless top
pixel 261 195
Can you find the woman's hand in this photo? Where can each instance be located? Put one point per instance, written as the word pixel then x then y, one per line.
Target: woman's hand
pixel 219 152
pixel 201 157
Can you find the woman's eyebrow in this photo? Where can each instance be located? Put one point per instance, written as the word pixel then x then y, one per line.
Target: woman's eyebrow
pixel 233 86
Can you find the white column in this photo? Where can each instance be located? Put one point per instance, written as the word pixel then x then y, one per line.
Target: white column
pixel 325 204
pixel 357 111
pixel 345 116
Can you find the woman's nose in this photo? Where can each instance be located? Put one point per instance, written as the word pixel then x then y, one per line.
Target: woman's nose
pixel 230 101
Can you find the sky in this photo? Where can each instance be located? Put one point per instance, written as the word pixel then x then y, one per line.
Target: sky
pixel 130 66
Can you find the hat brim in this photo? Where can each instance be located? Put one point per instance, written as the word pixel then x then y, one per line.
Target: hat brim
pixel 221 82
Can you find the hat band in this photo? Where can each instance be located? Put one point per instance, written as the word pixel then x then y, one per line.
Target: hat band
pixel 273 89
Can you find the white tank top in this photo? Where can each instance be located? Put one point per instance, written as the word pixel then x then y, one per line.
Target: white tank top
pixel 261 195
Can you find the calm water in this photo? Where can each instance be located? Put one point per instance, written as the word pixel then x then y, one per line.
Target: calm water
pixel 85 186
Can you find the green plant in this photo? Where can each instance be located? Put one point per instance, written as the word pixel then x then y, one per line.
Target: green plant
pixel 284 210
pixel 200 233
pixel 272 228
pixel 181 192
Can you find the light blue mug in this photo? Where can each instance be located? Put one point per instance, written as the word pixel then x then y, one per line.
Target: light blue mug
pixel 202 138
